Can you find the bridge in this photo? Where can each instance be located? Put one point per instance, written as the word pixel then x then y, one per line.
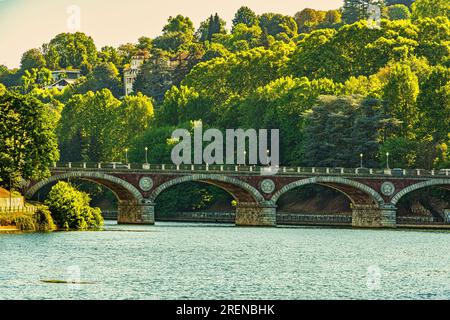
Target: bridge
pixel 373 193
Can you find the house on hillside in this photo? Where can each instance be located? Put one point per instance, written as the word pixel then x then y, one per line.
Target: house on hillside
pixel 130 74
pixel 62 78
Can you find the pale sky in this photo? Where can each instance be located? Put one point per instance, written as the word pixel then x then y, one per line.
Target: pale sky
pixel 26 24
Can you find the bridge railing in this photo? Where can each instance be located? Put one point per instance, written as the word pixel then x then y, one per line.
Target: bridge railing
pixel 249 169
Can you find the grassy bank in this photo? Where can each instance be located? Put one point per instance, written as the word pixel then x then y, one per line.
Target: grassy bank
pixel 40 220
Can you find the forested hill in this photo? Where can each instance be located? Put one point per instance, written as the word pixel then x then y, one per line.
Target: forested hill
pixel 336 84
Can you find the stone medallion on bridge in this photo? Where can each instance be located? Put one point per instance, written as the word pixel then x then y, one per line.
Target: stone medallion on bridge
pixel 267 186
pixel 146 184
pixel 387 188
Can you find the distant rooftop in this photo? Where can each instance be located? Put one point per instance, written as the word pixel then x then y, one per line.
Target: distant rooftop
pixel 4 193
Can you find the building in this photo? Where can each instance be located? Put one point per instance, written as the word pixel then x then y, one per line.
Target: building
pixel 8 200
pixel 130 74
pixel 62 78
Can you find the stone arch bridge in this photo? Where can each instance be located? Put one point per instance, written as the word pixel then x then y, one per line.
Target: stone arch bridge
pixel 373 193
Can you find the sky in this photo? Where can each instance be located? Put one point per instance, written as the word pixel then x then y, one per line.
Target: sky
pixel 26 24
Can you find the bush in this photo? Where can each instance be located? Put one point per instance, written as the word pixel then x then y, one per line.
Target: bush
pixel 70 208
pixel 43 219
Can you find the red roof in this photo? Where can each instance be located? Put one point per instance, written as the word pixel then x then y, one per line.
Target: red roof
pixel 4 193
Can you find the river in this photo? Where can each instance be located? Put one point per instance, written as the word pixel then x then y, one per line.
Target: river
pixel 208 261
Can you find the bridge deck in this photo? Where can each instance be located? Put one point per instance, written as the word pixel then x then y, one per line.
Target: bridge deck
pixel 251 170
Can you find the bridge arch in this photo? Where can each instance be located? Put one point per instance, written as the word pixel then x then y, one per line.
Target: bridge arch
pixel 240 190
pixel 358 193
pixel 425 184
pixel 123 190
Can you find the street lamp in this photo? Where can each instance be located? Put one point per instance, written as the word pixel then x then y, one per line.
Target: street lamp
pixel 361 158
pixel 245 158
pixel 387 160
pixel 146 155
pixel 126 155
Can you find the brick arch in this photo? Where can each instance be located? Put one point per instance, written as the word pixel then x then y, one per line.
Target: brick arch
pixel 240 190
pixel 123 190
pixel 358 193
pixel 425 184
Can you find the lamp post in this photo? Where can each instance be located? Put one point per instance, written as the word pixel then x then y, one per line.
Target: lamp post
pixel 361 158
pixel 10 192
pixel 126 155
pixel 387 160
pixel 146 155
pixel 245 158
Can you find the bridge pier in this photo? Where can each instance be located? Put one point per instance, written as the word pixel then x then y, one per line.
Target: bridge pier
pixel 132 212
pixel 256 215
pixel 372 216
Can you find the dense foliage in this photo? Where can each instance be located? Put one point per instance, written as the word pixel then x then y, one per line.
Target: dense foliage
pixel 70 208
pixel 333 82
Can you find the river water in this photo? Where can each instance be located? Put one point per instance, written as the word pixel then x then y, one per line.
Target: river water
pixel 207 261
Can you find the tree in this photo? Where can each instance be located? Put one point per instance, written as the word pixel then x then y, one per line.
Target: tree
pixel 35 78
pixel 398 12
pixel 98 127
pixel 281 104
pixel 279 26
pixel 434 39
pixel 177 32
pixel 430 9
pixel 246 16
pixel 71 208
pixel 32 58
pixel 338 129
pixel 407 3
pixel 86 126
pixel 111 54
pixel 434 104
pixel 308 18
pixel 104 75
pixel 333 17
pixel 156 76
pixel 28 144
pixel 211 26
pixel 400 95
pixel 70 50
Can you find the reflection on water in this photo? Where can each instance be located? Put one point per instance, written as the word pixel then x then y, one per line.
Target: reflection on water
pixel 208 261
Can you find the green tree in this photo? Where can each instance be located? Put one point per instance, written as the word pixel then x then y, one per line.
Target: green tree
pixel 308 19
pixel 32 58
pixel 400 95
pixel 104 75
pixel 211 26
pixel 246 16
pixel 430 8
pixel 156 76
pixel 398 12
pixel 71 208
pixel 70 50
pixel 28 144
pixel 434 104
pixel 86 127
pixel 333 17
pixel 338 129
pixel 177 32
pixel 279 26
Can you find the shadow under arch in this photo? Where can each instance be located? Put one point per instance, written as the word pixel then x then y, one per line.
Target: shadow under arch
pixel 356 192
pixel 240 190
pixel 123 190
pixel 442 183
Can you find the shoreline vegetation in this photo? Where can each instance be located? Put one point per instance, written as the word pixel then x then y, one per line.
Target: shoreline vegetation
pixel 65 209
